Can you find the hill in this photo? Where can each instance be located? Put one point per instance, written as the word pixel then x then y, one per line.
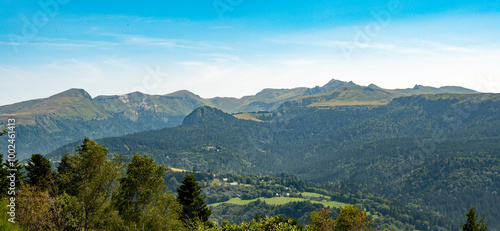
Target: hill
pixel 443 146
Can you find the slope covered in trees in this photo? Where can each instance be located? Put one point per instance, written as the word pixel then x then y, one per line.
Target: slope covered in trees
pixel 437 152
pixel 93 189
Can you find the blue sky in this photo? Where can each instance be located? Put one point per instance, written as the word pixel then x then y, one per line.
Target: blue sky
pixel 238 47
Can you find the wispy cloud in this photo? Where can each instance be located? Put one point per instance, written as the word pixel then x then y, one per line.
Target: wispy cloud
pixel 220 57
pixel 59 43
pixel 447 47
pixel 131 39
pixel 192 64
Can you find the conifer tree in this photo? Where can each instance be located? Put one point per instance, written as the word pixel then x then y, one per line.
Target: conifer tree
pixel 189 195
pixel 472 224
pixel 39 171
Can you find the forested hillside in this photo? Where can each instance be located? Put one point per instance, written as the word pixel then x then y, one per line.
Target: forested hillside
pixel 95 190
pixel 432 152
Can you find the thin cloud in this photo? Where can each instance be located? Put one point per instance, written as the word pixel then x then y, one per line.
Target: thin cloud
pixel 220 57
pixel 448 47
pixel 59 43
pixel 129 39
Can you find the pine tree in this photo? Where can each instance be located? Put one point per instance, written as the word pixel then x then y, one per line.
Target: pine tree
pixel 66 175
pixel 39 171
pixel 189 195
pixel 472 224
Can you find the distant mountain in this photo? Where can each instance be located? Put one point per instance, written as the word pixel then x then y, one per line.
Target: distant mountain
pixel 45 124
pixel 351 94
pixel 329 87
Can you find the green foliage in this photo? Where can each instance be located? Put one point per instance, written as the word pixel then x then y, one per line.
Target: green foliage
pixel 90 178
pixel 4 216
pixel 4 181
pixel 190 196
pixel 472 224
pixel 39 171
pixel 33 208
pixel 275 223
pixel 80 196
pixel 19 172
pixel 350 218
pixel 237 214
pixel 65 174
pixel 141 199
pixel 321 221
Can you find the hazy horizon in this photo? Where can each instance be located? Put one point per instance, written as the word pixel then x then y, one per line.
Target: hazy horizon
pixel 237 48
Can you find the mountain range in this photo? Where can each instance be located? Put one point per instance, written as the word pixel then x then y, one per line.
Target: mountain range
pixel 45 124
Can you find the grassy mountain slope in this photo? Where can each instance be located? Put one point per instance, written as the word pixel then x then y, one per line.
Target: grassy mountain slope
pixel 74 103
pixel 371 95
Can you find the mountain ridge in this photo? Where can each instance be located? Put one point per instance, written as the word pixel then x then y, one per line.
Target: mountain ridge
pixel 65 117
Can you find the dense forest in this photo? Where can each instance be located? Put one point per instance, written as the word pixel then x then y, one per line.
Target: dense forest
pixel 95 190
pixel 431 152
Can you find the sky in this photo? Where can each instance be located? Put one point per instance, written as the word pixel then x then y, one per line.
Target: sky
pixel 234 48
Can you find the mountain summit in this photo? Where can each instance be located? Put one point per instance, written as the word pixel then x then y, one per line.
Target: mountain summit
pixel 73 92
pixel 332 85
pixel 206 114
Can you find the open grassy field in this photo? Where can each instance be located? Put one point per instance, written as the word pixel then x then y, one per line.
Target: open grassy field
pixel 178 170
pixel 334 103
pixel 280 201
pixel 311 194
pixel 247 116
